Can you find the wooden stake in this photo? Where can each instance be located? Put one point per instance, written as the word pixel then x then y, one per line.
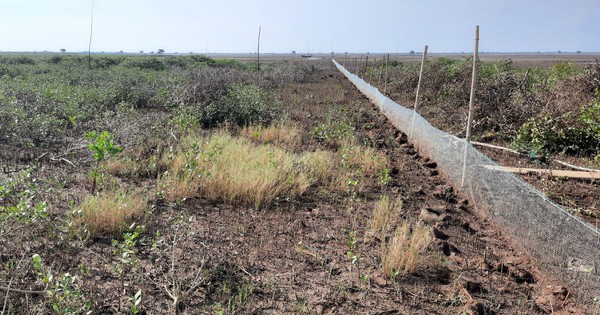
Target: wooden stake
pixel 371 72
pixel 380 74
pixel 471 101
pixel 91 33
pixel 366 65
pixel 412 124
pixel 387 63
pixel 359 66
pixel 344 62
pixel 258 49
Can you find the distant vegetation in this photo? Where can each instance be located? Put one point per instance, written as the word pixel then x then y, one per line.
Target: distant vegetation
pixel 46 99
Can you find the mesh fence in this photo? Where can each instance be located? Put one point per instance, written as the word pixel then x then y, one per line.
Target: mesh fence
pixel 564 246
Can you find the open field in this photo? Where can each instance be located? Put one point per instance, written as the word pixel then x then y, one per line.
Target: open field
pixel 220 189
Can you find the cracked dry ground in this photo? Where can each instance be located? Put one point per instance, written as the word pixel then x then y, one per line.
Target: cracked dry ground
pixel 292 258
pixel 295 256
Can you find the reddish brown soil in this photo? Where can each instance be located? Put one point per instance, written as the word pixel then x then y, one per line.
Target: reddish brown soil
pixel 292 258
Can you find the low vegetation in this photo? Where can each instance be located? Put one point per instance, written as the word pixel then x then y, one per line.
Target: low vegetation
pixel 546 110
pixel 109 213
pixel 183 184
pixel 406 250
pixel 221 167
pixel 284 134
pixel 385 215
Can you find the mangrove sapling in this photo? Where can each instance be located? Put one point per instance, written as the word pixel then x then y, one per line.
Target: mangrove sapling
pixel 101 145
pixel 127 261
pixel 63 291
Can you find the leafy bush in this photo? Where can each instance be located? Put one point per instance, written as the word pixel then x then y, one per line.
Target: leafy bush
pixel 562 70
pixel 20 202
pixel 545 135
pixel 243 105
pixel 17 60
pixel 146 63
pixel 49 102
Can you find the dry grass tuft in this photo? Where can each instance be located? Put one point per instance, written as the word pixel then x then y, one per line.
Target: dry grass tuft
pixel 355 162
pixel 405 250
pixel 368 160
pixel 108 212
pixel 385 214
pixel 221 167
pixel 135 169
pixel 318 164
pixel 284 134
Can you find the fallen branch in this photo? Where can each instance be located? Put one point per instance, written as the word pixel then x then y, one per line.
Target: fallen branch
pixel 62 160
pixel 467 294
pixel 6 295
pixel 481 144
pixel 555 173
pixel 576 167
pixel 8 289
pixel 519 153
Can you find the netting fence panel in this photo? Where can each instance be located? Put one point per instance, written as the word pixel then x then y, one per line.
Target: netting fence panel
pixel 564 246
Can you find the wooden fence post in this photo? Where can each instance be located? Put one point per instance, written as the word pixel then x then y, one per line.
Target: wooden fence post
pixel 380 73
pixel 412 124
pixel 371 72
pixel 387 63
pixel 471 101
pixel 366 65
pixel 258 49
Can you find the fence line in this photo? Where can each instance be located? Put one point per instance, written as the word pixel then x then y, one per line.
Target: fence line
pixel 564 246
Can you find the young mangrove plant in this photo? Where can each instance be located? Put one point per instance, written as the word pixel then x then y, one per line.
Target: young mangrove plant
pixel 101 145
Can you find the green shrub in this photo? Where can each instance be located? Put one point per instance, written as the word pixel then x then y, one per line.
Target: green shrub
pixel 562 70
pixel 546 134
pixel 243 105
pixel 147 63
pixel 333 132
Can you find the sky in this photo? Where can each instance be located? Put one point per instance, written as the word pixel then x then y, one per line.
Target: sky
pixel 377 26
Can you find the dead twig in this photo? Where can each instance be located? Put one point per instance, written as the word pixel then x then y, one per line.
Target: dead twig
pixel 246 272
pixel 7 294
pixel 467 293
pixel 9 289
pixel 63 160
pixel 566 298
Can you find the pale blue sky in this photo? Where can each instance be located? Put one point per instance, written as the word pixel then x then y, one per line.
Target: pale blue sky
pixel 351 25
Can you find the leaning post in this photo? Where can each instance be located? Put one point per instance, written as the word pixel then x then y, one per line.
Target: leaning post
pixel 412 124
pixel 471 101
pixel 387 63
